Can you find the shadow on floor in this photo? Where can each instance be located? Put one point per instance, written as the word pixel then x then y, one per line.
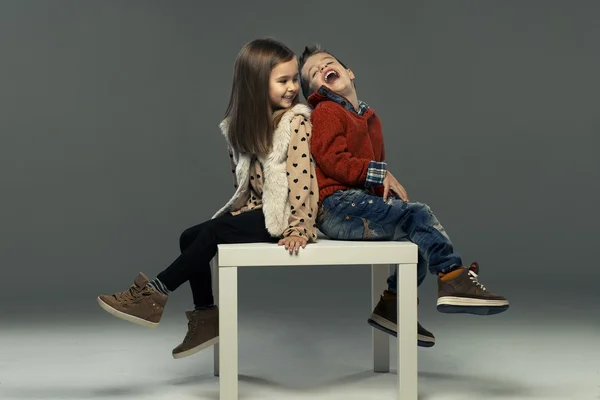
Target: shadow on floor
pixel 483 386
pixel 138 390
pixel 203 386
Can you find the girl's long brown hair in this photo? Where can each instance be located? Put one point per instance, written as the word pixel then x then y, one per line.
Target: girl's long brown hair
pixel 251 119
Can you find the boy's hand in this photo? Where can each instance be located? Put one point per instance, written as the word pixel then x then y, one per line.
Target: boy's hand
pixel 390 183
pixel 293 243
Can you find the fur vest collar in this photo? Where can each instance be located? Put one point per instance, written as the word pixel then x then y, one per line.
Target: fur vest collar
pixel 276 204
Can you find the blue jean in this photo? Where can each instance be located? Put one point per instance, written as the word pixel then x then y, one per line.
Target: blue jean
pixel 355 214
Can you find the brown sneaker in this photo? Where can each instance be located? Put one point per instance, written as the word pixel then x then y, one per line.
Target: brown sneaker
pixel 459 291
pixel 140 304
pixel 385 318
pixel 203 332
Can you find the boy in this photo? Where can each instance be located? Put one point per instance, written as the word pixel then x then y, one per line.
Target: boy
pixel 361 200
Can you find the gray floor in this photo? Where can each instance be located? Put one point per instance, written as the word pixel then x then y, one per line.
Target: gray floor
pixel 531 352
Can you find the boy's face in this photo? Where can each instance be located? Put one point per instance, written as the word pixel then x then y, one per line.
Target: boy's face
pixel 322 69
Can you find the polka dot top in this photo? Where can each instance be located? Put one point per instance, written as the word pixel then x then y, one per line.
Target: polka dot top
pixel 303 189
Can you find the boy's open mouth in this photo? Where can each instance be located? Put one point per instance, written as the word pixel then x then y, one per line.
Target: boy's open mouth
pixel 331 76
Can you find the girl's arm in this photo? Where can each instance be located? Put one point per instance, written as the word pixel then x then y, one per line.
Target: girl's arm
pixel 302 182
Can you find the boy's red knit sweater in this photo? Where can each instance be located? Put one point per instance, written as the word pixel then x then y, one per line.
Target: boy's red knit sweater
pixel 343 144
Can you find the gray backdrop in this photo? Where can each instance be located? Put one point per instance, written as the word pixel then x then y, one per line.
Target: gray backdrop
pixel 110 145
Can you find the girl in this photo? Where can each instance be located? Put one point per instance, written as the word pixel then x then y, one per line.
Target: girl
pixel 268 133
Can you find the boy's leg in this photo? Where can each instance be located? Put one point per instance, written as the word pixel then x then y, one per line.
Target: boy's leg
pixel 345 216
pixel 385 315
pixel 357 215
pixel 392 280
pixel 459 290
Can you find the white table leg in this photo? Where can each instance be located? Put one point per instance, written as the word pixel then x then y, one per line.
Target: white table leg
pixel 407 332
pixel 381 340
pixel 215 279
pixel 228 332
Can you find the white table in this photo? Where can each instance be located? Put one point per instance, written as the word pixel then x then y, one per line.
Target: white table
pixel 380 255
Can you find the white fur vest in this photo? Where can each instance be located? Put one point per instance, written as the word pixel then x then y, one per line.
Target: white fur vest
pixel 275 199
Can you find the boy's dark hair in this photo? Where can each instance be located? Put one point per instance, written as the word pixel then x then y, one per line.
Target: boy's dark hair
pixel 308 52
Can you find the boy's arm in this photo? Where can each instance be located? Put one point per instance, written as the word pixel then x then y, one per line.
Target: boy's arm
pixel 379 189
pixel 330 150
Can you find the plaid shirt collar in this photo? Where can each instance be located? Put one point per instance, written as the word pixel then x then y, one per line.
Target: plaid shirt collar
pixel 342 101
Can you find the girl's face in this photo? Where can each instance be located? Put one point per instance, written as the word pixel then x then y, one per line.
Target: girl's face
pixel 284 84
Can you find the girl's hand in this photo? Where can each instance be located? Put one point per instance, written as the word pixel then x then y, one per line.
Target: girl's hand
pixel 293 243
pixel 390 183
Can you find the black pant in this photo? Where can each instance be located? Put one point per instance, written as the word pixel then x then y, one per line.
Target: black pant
pixel 198 246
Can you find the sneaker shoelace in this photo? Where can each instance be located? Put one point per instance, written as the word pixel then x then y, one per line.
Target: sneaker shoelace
pixel 192 327
pixel 132 293
pixel 473 278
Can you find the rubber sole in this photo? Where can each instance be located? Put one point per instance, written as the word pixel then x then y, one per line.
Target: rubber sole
pixel 460 305
pixel 474 310
pixel 126 317
pixel 384 325
pixel 196 349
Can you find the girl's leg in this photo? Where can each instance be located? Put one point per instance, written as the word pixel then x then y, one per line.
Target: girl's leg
pixel 246 227
pixel 198 246
pixel 203 325
pixel 201 295
pixel 194 262
pixel 143 303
